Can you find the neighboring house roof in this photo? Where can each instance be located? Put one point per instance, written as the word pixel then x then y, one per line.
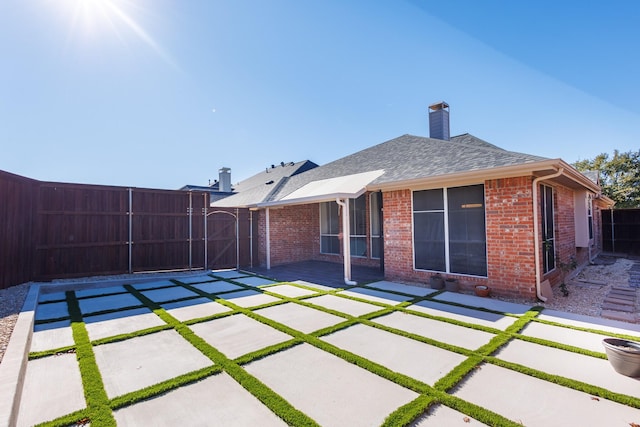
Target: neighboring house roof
pixel 258 188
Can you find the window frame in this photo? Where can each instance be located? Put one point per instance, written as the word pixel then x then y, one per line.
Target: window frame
pixel 373 235
pixel 546 221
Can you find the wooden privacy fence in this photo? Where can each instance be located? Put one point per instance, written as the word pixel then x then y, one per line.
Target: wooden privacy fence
pixel 55 230
pixel 621 231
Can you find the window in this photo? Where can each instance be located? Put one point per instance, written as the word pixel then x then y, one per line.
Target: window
pixel 375 200
pixel 449 230
pixel 590 215
pixel 358 226
pixel 329 228
pixel 548 229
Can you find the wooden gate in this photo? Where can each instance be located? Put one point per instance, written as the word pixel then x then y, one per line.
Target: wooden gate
pixel 229 238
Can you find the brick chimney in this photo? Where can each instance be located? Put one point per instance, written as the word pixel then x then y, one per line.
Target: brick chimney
pixel 439 121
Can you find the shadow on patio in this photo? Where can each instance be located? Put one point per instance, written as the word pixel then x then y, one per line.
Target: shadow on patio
pixel 319 272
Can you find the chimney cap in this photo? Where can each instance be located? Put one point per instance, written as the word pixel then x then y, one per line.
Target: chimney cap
pixel 438 106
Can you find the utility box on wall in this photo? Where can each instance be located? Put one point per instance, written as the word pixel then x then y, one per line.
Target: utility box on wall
pixel 583 218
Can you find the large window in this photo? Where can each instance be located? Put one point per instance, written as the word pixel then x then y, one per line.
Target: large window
pixel 329 228
pixel 548 229
pixel 449 230
pixel 358 225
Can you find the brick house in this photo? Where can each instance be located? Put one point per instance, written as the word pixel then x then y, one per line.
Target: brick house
pixel 416 206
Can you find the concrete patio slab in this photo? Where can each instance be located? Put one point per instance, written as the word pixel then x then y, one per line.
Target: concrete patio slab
pixel 215 400
pixel 316 383
pixel 463 314
pixel 249 298
pixel 217 287
pixel 54 296
pixel 108 302
pixel 43 398
pixel 139 362
pixel 300 318
pixel 289 291
pixel 440 331
pixel 238 335
pixel 534 402
pixel 377 296
pixel 590 322
pixel 196 279
pixel 50 336
pixel 169 294
pixel 229 274
pixel 404 355
pixel 52 310
pixel 586 340
pixel 254 281
pixel 441 415
pixel 153 284
pixel 100 291
pixel 569 365
pixel 487 303
pixel 194 308
pixel 121 322
pixel 399 287
pixel 314 285
pixel 344 305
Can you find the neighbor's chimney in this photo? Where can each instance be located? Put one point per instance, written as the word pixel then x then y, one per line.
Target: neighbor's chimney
pixel 439 121
pixel 224 176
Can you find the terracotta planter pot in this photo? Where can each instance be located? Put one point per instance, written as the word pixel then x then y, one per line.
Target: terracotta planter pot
pixel 623 355
pixel 482 290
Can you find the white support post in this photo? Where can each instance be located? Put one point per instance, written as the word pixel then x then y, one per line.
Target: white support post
pixel 268 239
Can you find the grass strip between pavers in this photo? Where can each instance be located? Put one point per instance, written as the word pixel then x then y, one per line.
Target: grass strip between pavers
pixel 272 400
pixel 406 414
pixel 98 410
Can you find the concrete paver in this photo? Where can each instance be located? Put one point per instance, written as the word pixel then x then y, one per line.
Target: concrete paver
pixel 377 296
pixel 463 314
pixel 136 363
pixel 238 335
pixel 50 336
pixel 440 331
pixel 44 377
pixel 217 287
pixel 229 274
pixel 301 318
pixel 248 298
pixel 100 291
pixel 314 285
pixel 196 279
pixel 120 322
pixel 581 339
pixel 441 415
pixel 289 291
pixel 487 303
pixel 344 305
pixel 217 400
pixel 404 355
pixel 109 302
pixel 168 294
pixel 589 322
pixel 334 392
pixel 52 310
pixel 194 308
pixel 587 369
pixel 54 296
pixel 399 287
pixel 153 284
pixel 254 281
pixel 535 402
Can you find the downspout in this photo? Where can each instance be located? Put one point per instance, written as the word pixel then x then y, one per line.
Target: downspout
pixel 268 239
pixel 536 228
pixel 346 241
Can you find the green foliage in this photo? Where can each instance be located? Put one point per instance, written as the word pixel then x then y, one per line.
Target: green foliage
pixel 619 176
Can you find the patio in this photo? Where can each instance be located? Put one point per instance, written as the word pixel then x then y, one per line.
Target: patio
pixel 240 349
pixel 320 272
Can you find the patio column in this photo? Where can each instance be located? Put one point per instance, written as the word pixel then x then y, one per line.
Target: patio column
pixel 346 240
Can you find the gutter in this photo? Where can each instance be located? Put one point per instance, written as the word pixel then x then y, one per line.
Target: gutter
pixel 536 229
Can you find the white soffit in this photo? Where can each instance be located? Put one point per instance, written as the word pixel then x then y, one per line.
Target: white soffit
pixel 348 186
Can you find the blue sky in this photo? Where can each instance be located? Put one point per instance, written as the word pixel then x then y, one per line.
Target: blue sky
pixel 162 93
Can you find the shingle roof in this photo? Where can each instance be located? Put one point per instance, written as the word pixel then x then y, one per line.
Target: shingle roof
pixel 260 186
pixel 412 157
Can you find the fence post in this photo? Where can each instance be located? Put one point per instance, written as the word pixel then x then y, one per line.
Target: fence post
pixel 130 229
pixel 206 237
pixel 190 229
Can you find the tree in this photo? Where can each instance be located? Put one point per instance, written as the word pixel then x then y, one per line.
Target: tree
pixel 619 176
